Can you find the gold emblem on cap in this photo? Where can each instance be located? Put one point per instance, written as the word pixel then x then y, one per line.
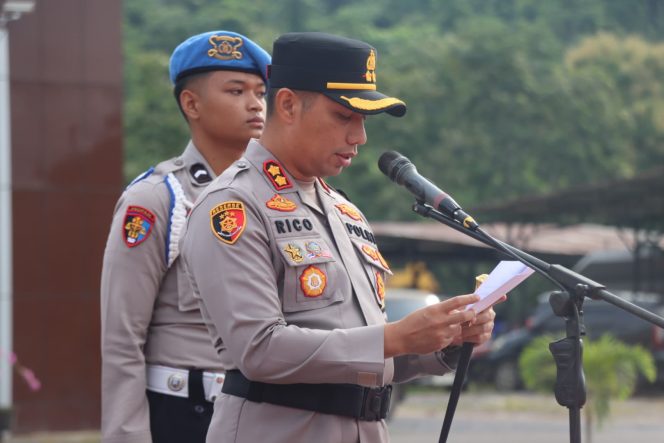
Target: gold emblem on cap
pixel 370 76
pixel 225 47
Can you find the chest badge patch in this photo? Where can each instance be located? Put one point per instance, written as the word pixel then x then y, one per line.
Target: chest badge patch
pixel 294 252
pixel 227 221
pixel 375 255
pixel 380 288
pixel 279 203
pixel 315 250
pixel 275 173
pixel 313 281
pixel 349 211
pixel 138 223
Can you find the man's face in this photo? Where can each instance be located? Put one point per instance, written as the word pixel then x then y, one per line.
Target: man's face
pixel 231 106
pixel 328 136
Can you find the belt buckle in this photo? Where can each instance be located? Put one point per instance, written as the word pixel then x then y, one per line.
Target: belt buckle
pixel 376 403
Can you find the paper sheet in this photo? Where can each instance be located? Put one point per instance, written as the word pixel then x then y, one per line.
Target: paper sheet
pixel 505 276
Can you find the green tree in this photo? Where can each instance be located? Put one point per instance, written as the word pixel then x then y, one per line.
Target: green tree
pixel 611 368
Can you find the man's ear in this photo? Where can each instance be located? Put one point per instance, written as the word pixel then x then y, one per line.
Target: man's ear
pixel 287 104
pixel 189 102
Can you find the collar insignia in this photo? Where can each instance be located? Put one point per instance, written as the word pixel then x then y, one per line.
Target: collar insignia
pixel 137 226
pixel 225 47
pixel 199 173
pixel 275 173
pixel 279 203
pixel 349 211
pixel 313 281
pixel 227 221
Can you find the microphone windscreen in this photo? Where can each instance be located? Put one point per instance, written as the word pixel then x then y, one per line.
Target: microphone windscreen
pixel 386 162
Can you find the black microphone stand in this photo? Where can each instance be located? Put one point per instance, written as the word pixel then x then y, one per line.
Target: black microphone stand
pixel 570 389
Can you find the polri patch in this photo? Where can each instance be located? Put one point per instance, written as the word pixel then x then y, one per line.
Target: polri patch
pixel 228 221
pixel 275 173
pixel 313 281
pixel 138 223
pixel 349 211
pixel 280 203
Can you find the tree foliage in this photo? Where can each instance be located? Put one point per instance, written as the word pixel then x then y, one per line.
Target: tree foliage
pixel 612 370
pixel 505 97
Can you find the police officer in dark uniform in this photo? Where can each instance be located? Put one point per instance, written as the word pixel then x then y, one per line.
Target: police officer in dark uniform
pixel 160 372
pixel 289 274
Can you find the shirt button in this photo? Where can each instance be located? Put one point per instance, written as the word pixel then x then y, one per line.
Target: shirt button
pixel 178 162
pixel 241 164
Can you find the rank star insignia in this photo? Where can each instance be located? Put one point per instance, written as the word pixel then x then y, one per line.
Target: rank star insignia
pixel 279 203
pixel 313 281
pixel 227 221
pixel 349 211
pixel 275 173
pixel 295 252
pixel 137 225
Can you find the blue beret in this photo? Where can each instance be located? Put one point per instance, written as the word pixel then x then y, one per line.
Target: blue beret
pixel 218 50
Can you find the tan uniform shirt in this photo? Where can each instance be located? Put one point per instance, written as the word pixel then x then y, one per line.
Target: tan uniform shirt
pixel 292 288
pixel 148 313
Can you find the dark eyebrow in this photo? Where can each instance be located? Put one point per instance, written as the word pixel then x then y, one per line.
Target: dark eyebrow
pixel 243 82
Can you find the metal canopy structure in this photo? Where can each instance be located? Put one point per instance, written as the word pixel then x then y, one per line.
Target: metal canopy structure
pixel 636 203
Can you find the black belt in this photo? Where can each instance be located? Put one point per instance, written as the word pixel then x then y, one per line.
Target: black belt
pixel 337 399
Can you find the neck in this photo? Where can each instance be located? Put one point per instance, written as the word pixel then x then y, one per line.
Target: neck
pixel 219 155
pixel 283 146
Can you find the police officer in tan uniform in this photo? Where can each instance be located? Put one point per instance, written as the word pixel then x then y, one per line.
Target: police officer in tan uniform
pixel 160 372
pixel 290 279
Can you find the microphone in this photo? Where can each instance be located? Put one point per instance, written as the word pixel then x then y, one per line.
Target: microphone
pixel 403 172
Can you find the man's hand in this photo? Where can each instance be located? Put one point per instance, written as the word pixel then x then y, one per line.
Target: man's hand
pixel 432 328
pixel 480 329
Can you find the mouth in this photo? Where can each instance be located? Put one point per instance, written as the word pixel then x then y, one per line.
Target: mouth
pixel 256 122
pixel 346 158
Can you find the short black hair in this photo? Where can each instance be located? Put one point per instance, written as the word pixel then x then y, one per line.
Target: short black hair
pixel 182 84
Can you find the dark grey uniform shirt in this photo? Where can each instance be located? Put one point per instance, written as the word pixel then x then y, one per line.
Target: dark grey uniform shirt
pixel 148 312
pixel 292 285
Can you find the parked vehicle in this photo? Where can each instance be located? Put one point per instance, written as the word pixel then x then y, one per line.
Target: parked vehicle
pixel 498 362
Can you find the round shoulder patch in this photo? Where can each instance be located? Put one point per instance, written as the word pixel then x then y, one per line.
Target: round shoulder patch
pixel 228 221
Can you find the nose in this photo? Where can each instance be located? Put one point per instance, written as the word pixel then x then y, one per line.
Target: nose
pixel 256 102
pixel 357 136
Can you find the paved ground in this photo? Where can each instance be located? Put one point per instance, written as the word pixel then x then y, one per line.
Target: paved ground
pixel 520 418
pixel 485 417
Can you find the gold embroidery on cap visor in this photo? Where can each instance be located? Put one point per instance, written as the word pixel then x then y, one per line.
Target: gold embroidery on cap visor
pixel 225 47
pixel 372 105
